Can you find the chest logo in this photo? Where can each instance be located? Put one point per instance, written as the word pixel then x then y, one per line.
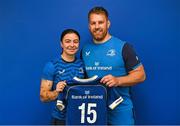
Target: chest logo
pixel 87 92
pixel 61 72
pixel 96 63
pixel 87 53
pixel 81 70
pixel 111 52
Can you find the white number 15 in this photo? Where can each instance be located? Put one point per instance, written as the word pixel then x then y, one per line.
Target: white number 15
pixel 90 110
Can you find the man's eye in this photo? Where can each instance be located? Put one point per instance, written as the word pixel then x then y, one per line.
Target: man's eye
pixel 92 23
pixel 101 22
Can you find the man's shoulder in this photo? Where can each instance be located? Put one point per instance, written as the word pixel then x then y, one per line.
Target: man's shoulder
pixel 116 43
pixel 116 39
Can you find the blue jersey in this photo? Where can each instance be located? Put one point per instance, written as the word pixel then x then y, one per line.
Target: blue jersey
pixel 113 57
pixel 86 104
pixel 59 70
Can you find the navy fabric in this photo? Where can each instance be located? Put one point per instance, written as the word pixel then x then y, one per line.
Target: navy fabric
pixel 86 105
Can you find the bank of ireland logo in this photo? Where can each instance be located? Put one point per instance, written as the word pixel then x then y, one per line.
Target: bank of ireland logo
pixel 111 52
pixel 87 92
pixel 87 53
pixel 96 63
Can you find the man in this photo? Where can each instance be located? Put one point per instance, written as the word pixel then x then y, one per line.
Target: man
pixel 115 62
pixel 60 71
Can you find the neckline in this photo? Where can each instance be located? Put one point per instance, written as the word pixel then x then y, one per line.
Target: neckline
pixel 67 61
pixel 103 42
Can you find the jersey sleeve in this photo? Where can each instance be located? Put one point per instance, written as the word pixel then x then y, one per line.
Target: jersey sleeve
pixel 48 71
pixel 130 57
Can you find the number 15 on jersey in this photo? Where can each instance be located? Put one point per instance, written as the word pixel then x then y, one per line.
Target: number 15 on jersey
pixel 89 114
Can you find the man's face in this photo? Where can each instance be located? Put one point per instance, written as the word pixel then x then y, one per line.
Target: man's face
pixel 98 26
pixel 70 44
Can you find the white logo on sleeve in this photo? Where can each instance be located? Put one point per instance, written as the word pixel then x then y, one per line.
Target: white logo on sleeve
pixel 137 58
pixel 111 52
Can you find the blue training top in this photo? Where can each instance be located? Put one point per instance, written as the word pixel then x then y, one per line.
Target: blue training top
pixel 113 57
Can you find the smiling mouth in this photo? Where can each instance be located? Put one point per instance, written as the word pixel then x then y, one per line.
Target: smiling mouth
pixel 98 33
pixel 72 50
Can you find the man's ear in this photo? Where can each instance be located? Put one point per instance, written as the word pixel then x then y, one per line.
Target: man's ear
pixel 109 23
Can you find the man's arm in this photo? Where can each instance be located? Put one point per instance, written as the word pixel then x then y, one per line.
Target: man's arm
pixel 135 76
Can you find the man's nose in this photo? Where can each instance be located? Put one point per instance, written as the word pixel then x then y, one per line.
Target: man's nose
pixel 96 25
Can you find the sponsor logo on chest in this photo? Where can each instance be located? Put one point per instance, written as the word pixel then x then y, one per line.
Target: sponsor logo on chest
pixel 98 66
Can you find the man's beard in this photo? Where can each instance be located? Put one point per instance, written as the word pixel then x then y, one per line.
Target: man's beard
pixel 99 37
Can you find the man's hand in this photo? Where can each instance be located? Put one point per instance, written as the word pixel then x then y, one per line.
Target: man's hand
pixel 110 81
pixel 134 76
pixel 60 86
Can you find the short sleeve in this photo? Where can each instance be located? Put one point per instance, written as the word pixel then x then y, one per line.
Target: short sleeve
pixel 48 71
pixel 130 57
